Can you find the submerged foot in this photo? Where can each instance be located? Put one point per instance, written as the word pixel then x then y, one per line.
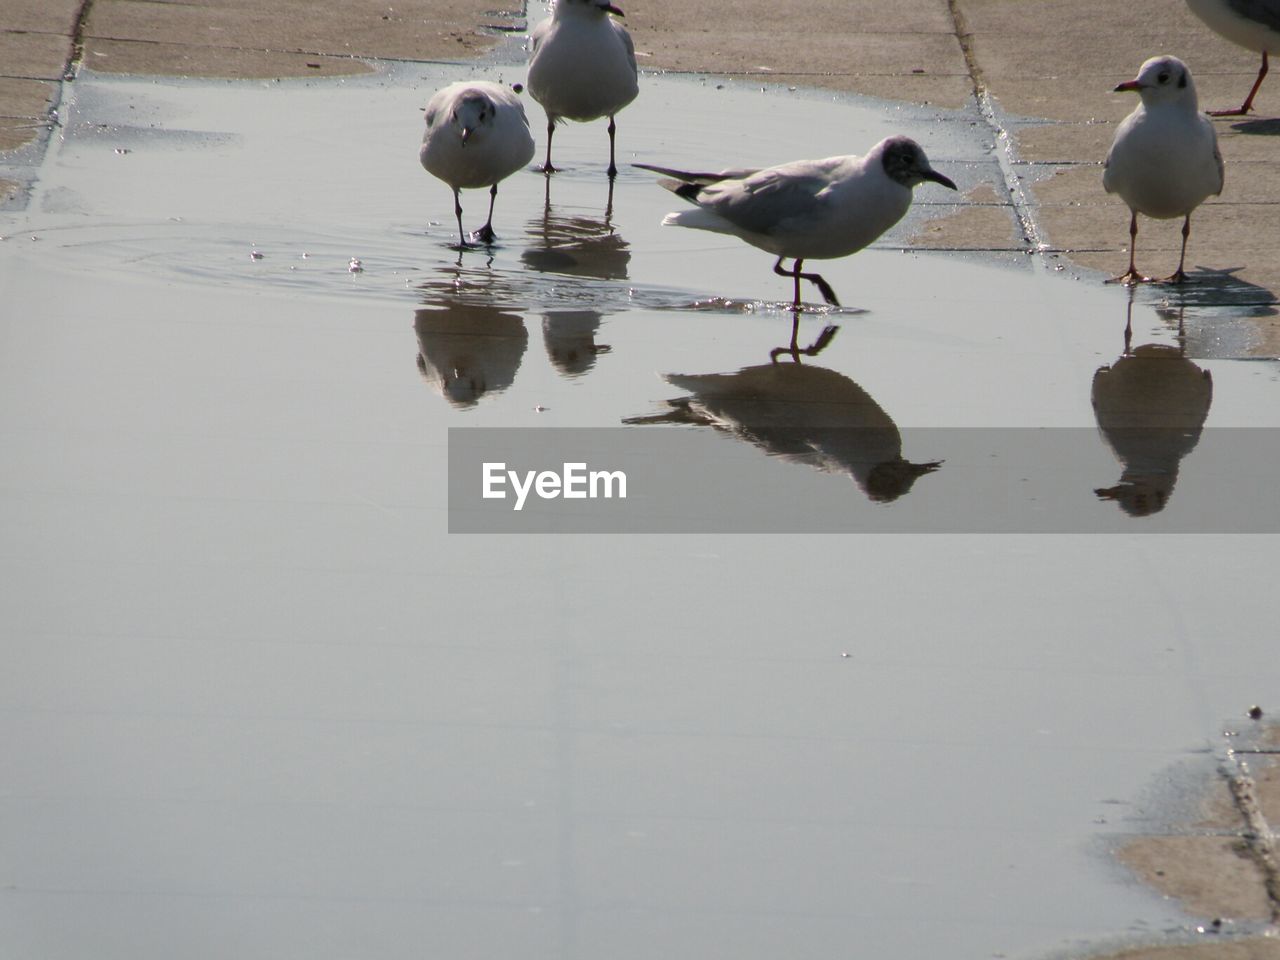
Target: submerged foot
pixel 1129 278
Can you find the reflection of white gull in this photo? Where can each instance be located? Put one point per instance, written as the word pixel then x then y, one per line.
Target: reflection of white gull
pixel 570 339
pixel 579 246
pixel 477 134
pixel 582 67
pixel 468 350
pixel 807 209
pixel 1165 161
pixel 1150 406
pixel 803 414
pixel 1253 24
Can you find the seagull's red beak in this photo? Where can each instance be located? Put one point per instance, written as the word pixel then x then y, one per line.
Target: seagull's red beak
pixel 1129 86
pixel 610 8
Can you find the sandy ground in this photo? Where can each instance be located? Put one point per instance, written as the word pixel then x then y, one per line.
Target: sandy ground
pixel 1054 111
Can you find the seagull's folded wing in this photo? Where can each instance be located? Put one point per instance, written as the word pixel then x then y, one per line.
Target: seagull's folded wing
pixel 763 201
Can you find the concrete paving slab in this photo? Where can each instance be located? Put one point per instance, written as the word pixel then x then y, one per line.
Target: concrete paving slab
pixel 412 30
pixel 190 60
pixel 905 51
pixel 40 16
pixel 40 56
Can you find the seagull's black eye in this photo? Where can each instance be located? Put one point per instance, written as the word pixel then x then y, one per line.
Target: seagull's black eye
pixel 1163 78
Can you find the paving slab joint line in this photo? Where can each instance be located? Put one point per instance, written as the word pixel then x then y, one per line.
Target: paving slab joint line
pixel 1003 142
pixel 1258 837
pixel 72 66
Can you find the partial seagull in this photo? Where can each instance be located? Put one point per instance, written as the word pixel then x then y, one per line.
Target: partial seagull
pixel 1253 24
pixel 807 209
pixel 477 135
pixel 1164 161
pixel 582 67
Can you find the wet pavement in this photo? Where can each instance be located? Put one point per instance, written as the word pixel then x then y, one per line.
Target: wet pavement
pixel 261 702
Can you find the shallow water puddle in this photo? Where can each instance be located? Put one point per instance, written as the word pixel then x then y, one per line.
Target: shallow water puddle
pixel 260 701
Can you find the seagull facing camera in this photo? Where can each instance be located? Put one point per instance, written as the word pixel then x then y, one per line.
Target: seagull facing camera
pixel 477 134
pixel 582 67
pixel 1164 161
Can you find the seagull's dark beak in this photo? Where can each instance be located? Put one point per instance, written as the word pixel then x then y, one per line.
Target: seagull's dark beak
pixel 610 8
pixel 1129 86
pixel 466 135
pixel 936 177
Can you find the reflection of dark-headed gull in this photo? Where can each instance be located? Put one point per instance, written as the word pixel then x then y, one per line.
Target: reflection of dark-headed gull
pixel 477 134
pixel 468 350
pixel 1253 24
pixel 1150 406
pixel 803 414
pixel 570 339
pixel 1165 161
pixel 808 209
pixel 582 67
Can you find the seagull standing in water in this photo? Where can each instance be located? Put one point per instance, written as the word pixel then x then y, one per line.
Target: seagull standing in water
pixel 1165 161
pixel 582 67
pixel 807 209
pixel 477 134
pixel 1253 24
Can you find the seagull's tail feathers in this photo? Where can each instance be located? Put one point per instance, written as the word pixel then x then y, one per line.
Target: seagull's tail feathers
pixel 687 185
pixel 699 219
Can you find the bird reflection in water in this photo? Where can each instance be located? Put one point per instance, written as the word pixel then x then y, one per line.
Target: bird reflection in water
pixel 467 345
pixel 577 245
pixel 570 339
pixel 1150 405
pixel 801 413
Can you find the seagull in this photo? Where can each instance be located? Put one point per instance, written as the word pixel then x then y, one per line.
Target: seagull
pixel 1165 161
pixel 807 209
pixel 1253 24
pixel 477 134
pixel 582 67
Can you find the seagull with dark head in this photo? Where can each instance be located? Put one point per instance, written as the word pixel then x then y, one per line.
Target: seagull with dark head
pixel 477 135
pixel 1164 161
pixel 806 209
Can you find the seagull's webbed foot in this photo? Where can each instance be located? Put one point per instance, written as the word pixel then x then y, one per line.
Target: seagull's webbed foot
pixel 546 168
pixel 828 294
pixel 1131 277
pixel 1178 276
pixel 1237 112
pixel 815 348
pixel 485 235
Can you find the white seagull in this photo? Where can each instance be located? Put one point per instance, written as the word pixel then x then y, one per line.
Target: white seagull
pixel 807 209
pixel 1164 161
pixel 582 67
pixel 1253 24
pixel 477 134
